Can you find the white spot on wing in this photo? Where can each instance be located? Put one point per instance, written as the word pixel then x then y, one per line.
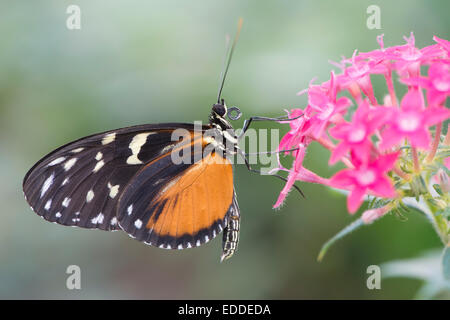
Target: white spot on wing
pixel 114 221
pixel 56 161
pixel 113 190
pixel 167 148
pixel 47 184
pixel 138 223
pixel 65 181
pixel 198 243
pixel 98 166
pixel 135 145
pixel 130 209
pixel 98 156
pixel 98 219
pixel 180 246
pixel 66 202
pixel 89 196
pixel 58 215
pixel 77 150
pixel 110 137
pixel 48 204
pixel 69 164
pixel 188 245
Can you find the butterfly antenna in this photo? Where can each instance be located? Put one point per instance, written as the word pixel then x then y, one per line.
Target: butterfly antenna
pixel 224 74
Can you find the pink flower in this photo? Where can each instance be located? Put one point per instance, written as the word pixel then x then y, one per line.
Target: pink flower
pixel 445 44
pixel 295 136
pixel 366 178
pixel 437 83
pixel 298 172
pixel 412 121
pixel 323 107
pixel 355 135
pixel 409 58
pixel 359 72
pixel 363 134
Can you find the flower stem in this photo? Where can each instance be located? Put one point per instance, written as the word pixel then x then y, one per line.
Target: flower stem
pixel 415 160
pixel 447 137
pixel 401 173
pixel 435 144
pixel 390 85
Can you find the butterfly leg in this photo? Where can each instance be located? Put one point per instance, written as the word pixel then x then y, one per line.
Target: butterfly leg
pixel 231 232
pixel 242 154
pixel 247 122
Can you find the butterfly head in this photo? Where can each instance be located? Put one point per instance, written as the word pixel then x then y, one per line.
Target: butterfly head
pixel 219 109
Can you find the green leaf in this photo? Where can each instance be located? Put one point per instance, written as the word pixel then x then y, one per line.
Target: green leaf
pixel 426 267
pixel 351 227
pixel 438 189
pixel 446 262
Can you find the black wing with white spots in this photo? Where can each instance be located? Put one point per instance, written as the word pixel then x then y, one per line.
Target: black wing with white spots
pixel 80 183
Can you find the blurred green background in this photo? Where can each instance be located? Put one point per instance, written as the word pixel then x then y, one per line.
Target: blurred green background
pixel 137 62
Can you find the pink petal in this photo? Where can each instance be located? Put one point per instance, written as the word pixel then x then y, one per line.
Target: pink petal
pixel 342 179
pixel 420 138
pixel 378 117
pixel 316 97
pixel 383 188
pixel 355 199
pixel 417 81
pixel 435 115
pixel 413 99
pixel 435 97
pixel 390 137
pixel 286 189
pixel 386 162
pixel 362 150
pixel 339 152
pixel 340 131
pixel 309 176
pixel 285 143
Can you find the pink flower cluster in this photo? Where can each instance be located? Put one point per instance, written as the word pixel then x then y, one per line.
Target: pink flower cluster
pixel 366 135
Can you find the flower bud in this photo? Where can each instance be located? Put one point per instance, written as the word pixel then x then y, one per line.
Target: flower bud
pixel 371 215
pixel 443 180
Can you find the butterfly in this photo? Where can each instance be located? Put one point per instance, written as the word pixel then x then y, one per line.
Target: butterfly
pixel 126 179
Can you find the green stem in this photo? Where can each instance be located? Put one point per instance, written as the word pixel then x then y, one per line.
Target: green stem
pixel 439 225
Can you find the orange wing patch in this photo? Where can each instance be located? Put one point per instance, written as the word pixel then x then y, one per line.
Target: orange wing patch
pixel 195 200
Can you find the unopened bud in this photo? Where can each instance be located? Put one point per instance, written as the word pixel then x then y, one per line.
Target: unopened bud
pixel 443 180
pixel 371 215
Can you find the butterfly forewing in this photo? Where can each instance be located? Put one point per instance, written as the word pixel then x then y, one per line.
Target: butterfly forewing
pixel 80 183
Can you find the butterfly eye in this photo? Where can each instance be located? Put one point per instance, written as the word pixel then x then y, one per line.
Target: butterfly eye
pixel 234 113
pixel 220 109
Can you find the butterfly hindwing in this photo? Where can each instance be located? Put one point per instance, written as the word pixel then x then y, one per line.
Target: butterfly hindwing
pixel 184 205
pixel 79 184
